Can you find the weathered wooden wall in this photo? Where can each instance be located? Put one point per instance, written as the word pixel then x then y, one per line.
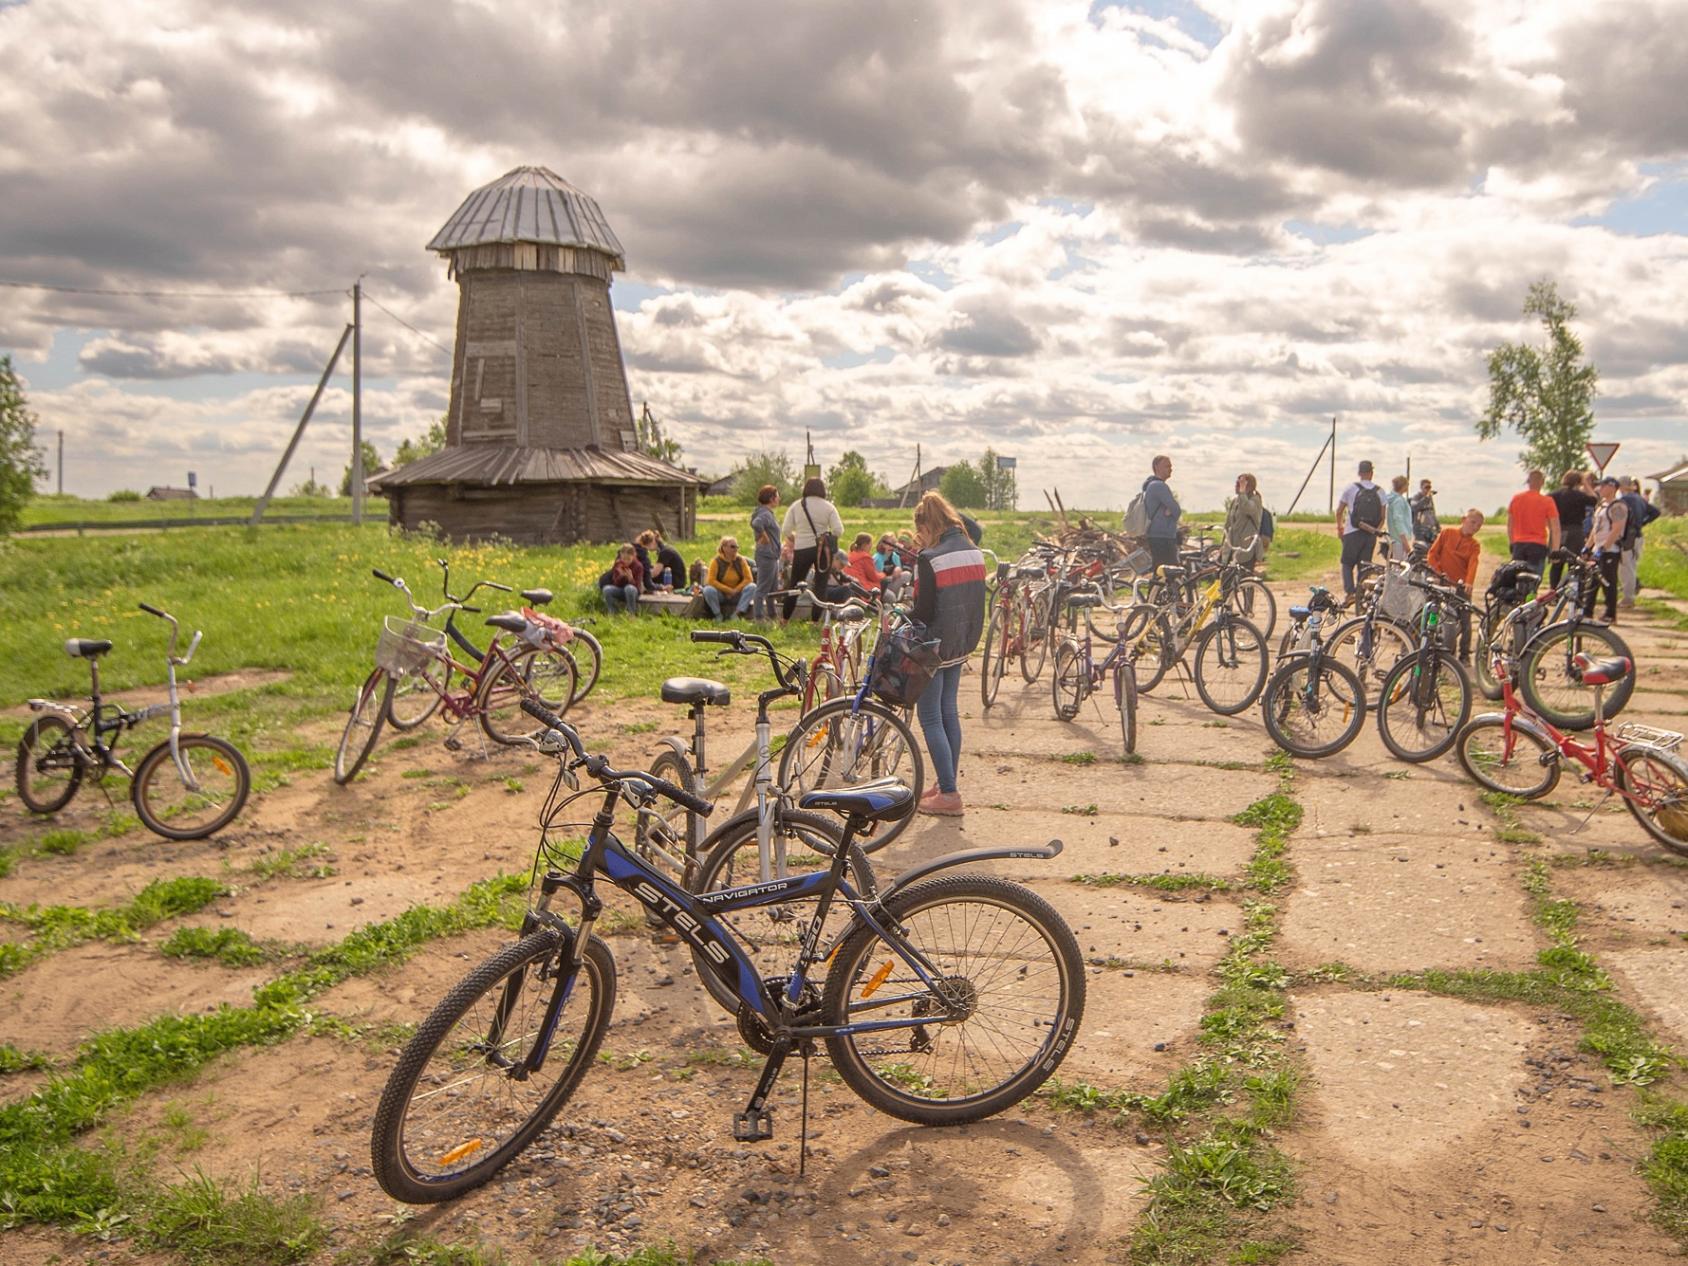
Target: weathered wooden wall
pixel 545 514
pixel 537 363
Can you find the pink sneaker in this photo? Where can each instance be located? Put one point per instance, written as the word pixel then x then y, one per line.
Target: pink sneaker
pixel 943 804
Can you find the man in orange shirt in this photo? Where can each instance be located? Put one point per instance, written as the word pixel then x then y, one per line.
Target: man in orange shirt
pixel 1532 524
pixel 1453 556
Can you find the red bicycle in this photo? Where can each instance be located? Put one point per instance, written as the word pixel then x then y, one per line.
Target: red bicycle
pixel 1520 753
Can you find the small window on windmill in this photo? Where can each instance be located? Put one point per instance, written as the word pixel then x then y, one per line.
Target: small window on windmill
pixel 629 441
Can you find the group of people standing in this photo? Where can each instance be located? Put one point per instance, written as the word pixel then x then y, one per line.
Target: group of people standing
pixel 1603 518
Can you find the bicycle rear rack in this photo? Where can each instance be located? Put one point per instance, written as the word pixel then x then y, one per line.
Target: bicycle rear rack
pixel 1632 732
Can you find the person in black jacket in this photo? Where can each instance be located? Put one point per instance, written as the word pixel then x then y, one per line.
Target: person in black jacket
pixel 949 599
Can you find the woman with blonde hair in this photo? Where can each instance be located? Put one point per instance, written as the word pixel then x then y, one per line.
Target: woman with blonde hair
pixel 949 599
pixel 728 580
pixel 1242 522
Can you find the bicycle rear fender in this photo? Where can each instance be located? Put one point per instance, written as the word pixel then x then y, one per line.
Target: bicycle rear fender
pixel 966 857
pixel 1520 721
pixel 50 708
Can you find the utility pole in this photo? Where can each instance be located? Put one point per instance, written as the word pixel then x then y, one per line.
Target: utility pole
pixel 304 420
pixel 61 463
pixel 1331 509
pixel 357 401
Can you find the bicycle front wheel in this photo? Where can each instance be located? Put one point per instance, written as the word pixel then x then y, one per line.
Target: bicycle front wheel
pixel 732 857
pixel 169 807
pixel 1070 683
pixel 1423 704
pixel 842 743
pixel 995 661
pixel 1230 664
pixel 1508 758
pixel 1125 695
pixel 1655 786
pixel 461 1104
pixel 1553 687
pixel 49 765
pixel 537 672
pixel 363 727
pixel 662 835
pixel 417 695
pixel 1034 636
pixel 1013 996
pixel 1150 635
pixel 1313 712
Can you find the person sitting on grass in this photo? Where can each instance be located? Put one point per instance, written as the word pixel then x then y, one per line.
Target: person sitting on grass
pixel 728 581
pixel 622 584
pixel 859 567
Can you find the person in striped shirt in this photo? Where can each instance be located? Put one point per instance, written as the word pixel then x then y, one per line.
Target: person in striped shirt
pixel 949 599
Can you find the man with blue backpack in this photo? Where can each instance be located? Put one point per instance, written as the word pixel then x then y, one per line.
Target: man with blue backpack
pixel 1359 522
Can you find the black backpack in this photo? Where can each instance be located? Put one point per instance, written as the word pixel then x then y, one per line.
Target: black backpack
pixel 1368 506
pixel 1513 582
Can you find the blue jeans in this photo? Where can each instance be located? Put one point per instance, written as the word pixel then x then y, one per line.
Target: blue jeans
pixel 712 598
pixel 622 598
pixel 767 581
pixel 940 722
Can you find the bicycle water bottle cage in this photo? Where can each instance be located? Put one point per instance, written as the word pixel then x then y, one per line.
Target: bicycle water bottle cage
pixel 696 690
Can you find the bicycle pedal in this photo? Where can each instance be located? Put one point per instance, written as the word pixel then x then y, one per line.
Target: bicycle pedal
pixel 454 745
pixel 754 1125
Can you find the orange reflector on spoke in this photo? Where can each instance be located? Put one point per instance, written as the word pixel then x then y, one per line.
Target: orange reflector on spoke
pixel 223 767
pixel 877 980
pixel 458 1153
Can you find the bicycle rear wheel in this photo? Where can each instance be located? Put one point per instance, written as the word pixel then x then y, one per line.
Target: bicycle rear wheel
pixel 49 766
pixel 842 743
pixel 1550 685
pixel 1659 782
pixel 1012 969
pixel 543 673
pixel 1424 703
pixel 731 858
pixel 1125 696
pixel 1509 759
pixel 460 1105
pixel 363 726
pixel 167 806
pixel 1389 643
pixel 1033 615
pixel 1253 601
pixel 1230 665
pixel 1071 682
pixel 1313 712
pixel 662 834
pixel 588 661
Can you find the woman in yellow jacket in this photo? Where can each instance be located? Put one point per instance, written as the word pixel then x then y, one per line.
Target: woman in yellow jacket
pixel 728 580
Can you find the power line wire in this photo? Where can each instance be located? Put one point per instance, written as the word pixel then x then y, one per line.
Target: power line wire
pixel 407 325
pixel 174 294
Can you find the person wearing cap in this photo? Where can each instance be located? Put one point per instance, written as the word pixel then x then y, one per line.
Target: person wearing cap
pixel 1532 523
pixel 1605 544
pixel 1359 522
pixel 1423 503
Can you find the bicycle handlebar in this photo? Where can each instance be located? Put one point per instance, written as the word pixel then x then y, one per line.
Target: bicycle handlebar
pixel 600 768
pixel 381 575
pixel 738 642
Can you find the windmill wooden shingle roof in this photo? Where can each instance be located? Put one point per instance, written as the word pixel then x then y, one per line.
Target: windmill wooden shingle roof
pixel 540 442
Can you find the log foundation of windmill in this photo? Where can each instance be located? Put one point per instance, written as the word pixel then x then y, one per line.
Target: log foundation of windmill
pixel 540 440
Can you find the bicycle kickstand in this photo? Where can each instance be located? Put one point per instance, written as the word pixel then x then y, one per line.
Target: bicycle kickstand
pixel 1599 804
pixel 756 1122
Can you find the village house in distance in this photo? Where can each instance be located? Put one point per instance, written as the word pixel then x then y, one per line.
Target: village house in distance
pixel 540 443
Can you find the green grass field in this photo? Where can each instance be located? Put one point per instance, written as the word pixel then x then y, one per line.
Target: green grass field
pixel 52 510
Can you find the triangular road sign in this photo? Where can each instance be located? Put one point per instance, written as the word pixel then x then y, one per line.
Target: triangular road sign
pixel 1602 454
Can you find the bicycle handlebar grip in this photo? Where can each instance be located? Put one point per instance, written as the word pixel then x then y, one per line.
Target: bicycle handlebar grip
pixel 381 575
pixel 724 637
pixel 679 795
pixel 152 610
pixel 470 610
pixel 539 712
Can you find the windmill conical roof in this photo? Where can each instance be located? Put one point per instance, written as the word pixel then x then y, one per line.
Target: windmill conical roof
pixel 530 204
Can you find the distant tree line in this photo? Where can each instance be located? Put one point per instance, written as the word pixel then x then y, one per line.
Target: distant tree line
pixel 980 485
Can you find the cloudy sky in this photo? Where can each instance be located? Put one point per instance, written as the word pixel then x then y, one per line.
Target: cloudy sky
pixel 1079 232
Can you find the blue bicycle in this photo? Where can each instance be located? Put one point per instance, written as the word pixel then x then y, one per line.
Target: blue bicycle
pixel 944 999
